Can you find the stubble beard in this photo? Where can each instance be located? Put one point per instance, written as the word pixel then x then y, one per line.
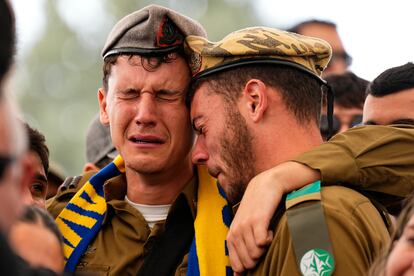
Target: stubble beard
pixel 237 154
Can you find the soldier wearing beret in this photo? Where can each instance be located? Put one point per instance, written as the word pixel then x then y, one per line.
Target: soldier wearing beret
pixel 255 102
pixel 145 79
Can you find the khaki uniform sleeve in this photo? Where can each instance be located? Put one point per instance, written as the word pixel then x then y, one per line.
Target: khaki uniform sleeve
pixel 378 159
pixel 64 194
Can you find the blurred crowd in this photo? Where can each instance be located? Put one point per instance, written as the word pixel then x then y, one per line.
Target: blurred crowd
pixel 260 154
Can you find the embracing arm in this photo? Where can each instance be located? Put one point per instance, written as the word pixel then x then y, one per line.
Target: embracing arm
pixel 249 235
pixel 376 159
pixel 371 158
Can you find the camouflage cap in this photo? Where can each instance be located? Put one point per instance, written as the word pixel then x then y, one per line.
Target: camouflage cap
pixel 99 142
pixel 257 45
pixel 150 30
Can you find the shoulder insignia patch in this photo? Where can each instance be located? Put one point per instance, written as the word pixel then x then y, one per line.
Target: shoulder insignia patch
pixel 317 262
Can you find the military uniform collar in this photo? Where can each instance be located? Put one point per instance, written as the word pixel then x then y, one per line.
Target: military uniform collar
pixel 116 189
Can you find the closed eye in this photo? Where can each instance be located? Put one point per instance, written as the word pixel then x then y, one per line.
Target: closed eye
pixel 169 95
pixel 128 94
pixel 197 128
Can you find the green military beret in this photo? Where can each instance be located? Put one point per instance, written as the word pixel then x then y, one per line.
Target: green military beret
pixel 257 45
pixel 150 30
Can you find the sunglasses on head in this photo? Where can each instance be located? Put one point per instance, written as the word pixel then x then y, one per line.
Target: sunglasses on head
pixel 5 161
pixel 356 120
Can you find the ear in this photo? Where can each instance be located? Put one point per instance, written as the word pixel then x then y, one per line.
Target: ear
pixel 103 113
pixel 90 167
pixel 255 99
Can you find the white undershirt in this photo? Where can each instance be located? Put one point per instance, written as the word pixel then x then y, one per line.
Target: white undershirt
pixel 151 213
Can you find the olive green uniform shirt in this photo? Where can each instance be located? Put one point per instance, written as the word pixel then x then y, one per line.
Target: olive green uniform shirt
pixel 356 229
pixel 125 238
pixel 376 159
pixel 357 158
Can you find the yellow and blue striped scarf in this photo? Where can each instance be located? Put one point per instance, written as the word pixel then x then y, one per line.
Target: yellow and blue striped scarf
pixel 82 217
pixel 208 253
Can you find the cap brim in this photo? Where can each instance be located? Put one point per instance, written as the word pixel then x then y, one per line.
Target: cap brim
pixel 142 51
pixel 242 62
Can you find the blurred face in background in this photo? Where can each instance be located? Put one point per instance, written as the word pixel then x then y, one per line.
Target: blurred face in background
pixel 347 117
pixel 36 244
pixel 340 59
pixel 37 187
pixel 401 258
pixel 15 171
pixel 344 118
pixel 397 108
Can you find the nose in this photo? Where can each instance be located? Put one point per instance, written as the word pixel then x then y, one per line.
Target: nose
pixel 200 153
pixel 146 110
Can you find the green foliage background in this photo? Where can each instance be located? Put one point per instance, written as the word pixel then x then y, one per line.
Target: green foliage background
pixel 58 79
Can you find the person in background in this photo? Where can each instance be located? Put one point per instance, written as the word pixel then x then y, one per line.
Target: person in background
pixel 55 178
pixel 15 170
pixel 349 90
pixel 99 148
pixel 390 97
pixel 38 156
pixel 99 152
pixel 7 40
pixel 398 257
pixel 36 238
pixel 326 30
pixel 13 180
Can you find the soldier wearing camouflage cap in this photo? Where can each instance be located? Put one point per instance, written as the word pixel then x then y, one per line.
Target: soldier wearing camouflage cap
pixel 142 101
pixel 255 102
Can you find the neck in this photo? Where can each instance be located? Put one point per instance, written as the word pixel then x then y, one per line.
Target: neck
pixel 157 188
pixel 285 143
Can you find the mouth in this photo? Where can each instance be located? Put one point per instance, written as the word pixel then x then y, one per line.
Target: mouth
pixel 143 139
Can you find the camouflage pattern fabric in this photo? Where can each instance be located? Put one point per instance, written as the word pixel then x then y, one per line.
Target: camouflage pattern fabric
pixel 257 45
